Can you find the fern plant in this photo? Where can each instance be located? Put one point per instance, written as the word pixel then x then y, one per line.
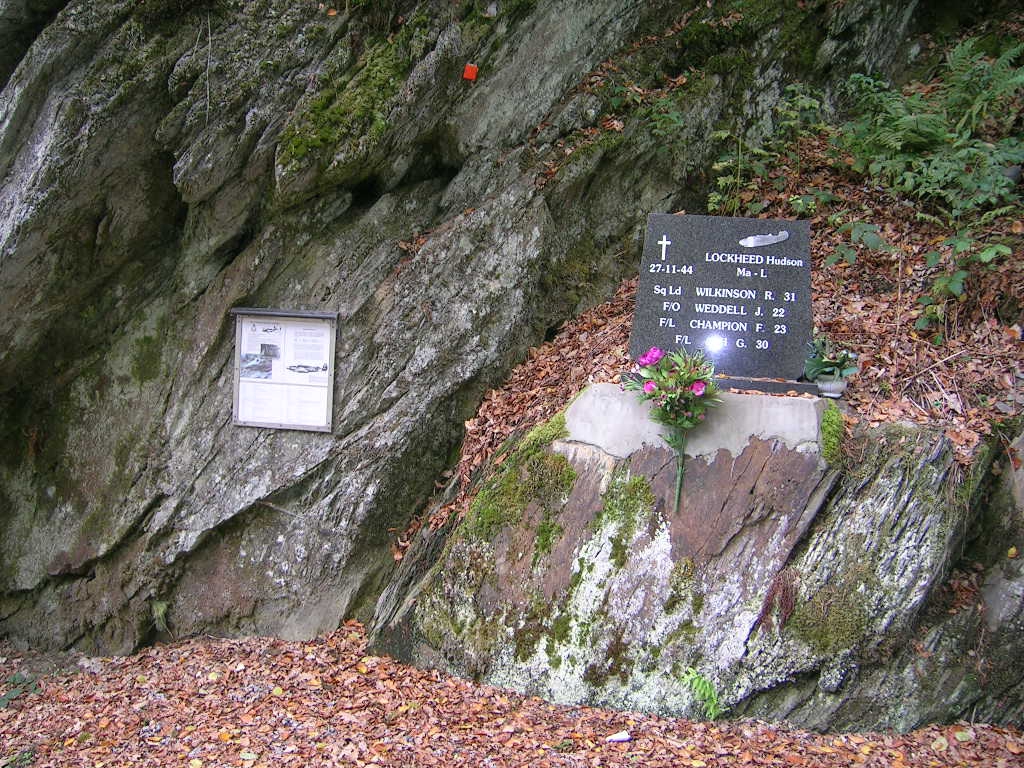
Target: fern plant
pixel 705 692
pixel 982 90
pixel 949 145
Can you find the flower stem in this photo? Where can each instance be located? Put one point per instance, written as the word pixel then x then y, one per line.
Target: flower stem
pixel 680 467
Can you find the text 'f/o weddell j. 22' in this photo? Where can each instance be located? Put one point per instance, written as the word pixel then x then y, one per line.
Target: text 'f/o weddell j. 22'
pixel 738 290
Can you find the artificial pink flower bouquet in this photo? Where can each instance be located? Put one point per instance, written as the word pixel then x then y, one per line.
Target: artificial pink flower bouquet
pixel 681 387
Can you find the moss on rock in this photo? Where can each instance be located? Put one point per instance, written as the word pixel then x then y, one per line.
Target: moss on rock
pixel 146 359
pixel 350 114
pixel 618 662
pixel 833 620
pixel 680 584
pixel 833 429
pixel 527 473
pixel 548 532
pixel 627 500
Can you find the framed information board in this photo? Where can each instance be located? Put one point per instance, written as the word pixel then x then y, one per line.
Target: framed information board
pixel 738 290
pixel 284 368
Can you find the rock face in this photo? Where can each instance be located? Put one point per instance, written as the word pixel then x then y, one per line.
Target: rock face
pixel 800 591
pixel 165 160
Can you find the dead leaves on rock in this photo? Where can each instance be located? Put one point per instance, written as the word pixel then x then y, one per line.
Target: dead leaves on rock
pixel 974 378
pixel 259 702
pixel 592 348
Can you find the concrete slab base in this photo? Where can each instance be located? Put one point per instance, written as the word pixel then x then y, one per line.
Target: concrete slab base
pixel 618 423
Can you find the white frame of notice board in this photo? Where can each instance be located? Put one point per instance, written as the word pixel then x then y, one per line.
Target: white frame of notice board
pixel 284 369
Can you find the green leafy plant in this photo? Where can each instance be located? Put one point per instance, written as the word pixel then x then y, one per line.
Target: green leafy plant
pixel 798 112
pixel 681 387
pixel 158 610
pixel 21 759
pixel 664 117
pixel 705 692
pixel 807 203
pixel 827 361
pixel 739 168
pixel 623 96
pixel 861 234
pixel 18 685
pixel 947 145
pixel 736 171
pixel 964 254
pixel 803 205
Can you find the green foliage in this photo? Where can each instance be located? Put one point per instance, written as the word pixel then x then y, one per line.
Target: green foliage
pixel 861 234
pixel 705 692
pixel 798 113
pixel 964 254
pixel 158 609
pixel 18 684
pixel 737 171
pixel 681 387
pixel 807 203
pixel 664 117
pixel 950 284
pixel 740 168
pixel 22 759
pixel 624 96
pixel 826 361
pixel 948 145
pixel 983 90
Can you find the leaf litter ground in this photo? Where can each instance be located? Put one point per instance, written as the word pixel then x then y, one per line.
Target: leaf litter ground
pixel 258 702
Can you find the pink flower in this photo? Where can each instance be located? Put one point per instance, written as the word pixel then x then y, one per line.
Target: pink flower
pixel 649 387
pixel 651 356
pixel 698 387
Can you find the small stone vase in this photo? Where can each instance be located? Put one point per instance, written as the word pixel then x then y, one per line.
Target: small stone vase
pixel 831 387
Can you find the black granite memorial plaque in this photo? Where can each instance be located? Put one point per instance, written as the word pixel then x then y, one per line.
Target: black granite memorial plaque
pixel 738 290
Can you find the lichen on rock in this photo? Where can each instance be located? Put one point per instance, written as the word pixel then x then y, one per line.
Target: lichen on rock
pixel 794 600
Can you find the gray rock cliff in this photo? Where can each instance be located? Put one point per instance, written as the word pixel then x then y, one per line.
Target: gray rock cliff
pixel 162 161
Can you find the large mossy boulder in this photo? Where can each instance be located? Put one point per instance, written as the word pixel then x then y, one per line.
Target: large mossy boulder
pixel 825 595
pixel 163 161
